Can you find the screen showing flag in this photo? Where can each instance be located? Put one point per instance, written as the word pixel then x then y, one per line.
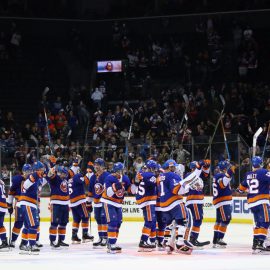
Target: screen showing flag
pixel 109 66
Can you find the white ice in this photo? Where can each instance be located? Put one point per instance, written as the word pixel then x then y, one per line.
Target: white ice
pixel 236 256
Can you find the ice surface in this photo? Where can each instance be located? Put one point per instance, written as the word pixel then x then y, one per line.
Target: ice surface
pixel 76 257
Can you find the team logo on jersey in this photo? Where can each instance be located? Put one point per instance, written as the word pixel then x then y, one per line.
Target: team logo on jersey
pixel 98 188
pixel 64 186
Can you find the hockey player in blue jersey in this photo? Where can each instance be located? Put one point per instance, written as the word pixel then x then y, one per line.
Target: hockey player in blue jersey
pixel 257 185
pixel 57 178
pixel 112 198
pixel 29 206
pixel 222 201
pixel 146 197
pixel 13 195
pixel 78 206
pixel 3 209
pixel 95 190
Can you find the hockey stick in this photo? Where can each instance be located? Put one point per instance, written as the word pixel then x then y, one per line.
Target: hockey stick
pixel 126 106
pixel 254 143
pixel 225 140
pixel 266 139
pixel 48 131
pixel 185 97
pixel 216 126
pixel 184 130
pixel 10 232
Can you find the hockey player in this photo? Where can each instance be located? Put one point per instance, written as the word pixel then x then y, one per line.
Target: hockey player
pixel 171 204
pixel 194 202
pixel 59 205
pixel 96 188
pixel 222 201
pixel 29 206
pixel 3 209
pixel 161 224
pixel 146 197
pixel 112 198
pixel 14 193
pixel 257 184
pixel 78 207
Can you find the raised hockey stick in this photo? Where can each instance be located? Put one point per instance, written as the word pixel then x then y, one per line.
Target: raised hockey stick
pixel 185 97
pixel 225 140
pixel 266 139
pixel 184 129
pixel 48 131
pixel 126 106
pixel 254 143
pixel 216 126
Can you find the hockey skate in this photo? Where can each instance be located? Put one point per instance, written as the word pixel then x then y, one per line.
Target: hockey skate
pixel 196 244
pixel 145 247
pixel 259 249
pixel 118 249
pixel 219 243
pixel 55 245
pixel 38 244
pixel 62 244
pixel 87 238
pixel 23 249
pixel 75 239
pixel 111 249
pixel 101 243
pixel 34 250
pixel 183 246
pixel 4 247
pixel 160 246
pixel 12 244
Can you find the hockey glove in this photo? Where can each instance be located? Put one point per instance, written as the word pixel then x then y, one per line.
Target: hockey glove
pixel 10 208
pixel 89 207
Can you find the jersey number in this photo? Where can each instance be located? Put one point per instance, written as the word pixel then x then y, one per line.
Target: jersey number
pixel 215 190
pixel 162 193
pixel 141 189
pixel 253 186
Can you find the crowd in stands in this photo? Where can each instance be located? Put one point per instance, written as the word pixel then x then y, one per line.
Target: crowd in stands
pixel 92 127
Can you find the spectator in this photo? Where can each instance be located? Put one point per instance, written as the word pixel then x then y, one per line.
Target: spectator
pixel 97 97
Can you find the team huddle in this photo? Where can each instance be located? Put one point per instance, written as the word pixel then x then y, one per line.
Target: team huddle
pixel 170 223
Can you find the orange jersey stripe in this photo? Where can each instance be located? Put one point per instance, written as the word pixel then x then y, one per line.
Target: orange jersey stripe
pixel 223 198
pixel 60 197
pixel 147 198
pixel 77 198
pixel 4 205
pixel 195 197
pixel 28 199
pixel 170 201
pixel 258 197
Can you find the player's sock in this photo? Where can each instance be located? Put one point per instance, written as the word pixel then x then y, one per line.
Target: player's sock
pixel 53 233
pixel 61 233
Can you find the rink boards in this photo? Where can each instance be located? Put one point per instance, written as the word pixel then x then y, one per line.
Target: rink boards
pixel 131 212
